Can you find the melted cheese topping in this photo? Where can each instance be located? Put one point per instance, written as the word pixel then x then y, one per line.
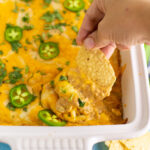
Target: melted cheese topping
pixel 41 72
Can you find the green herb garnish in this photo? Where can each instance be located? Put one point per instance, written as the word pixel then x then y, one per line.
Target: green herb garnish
pixel 38 38
pixel 75 29
pixel 63 90
pixel 28 42
pixel 63 78
pixel 52 83
pixel 3 72
pixel 10 107
pixel 15 46
pixel 81 103
pixel 47 2
pixel 56 26
pixel 15 10
pixel 49 17
pixel 74 42
pixel 67 63
pixel 59 69
pixel 28 27
pixel 26 69
pixel 25 109
pixel 15 75
pixel 1 52
pixel 26 18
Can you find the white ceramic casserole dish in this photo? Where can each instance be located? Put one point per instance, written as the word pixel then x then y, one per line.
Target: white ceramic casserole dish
pixel 136 107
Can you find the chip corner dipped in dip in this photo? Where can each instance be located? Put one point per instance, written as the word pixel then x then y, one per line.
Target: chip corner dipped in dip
pixel 87 80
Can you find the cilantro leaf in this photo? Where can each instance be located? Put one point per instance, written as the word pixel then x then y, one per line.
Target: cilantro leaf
pixel 3 72
pixel 15 75
pixel 15 10
pixel 56 26
pixel 81 103
pixel 75 29
pixel 63 78
pixel 29 27
pixel 1 52
pixel 10 107
pixel 26 69
pixel 26 18
pixel 52 83
pixel 15 46
pixel 74 42
pixel 47 2
pixel 49 17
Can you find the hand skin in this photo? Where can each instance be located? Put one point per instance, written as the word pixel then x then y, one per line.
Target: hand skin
pixel 115 23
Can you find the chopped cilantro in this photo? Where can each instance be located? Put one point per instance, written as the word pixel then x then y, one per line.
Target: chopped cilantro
pixel 1 52
pixel 15 10
pixel 74 42
pixel 78 14
pixel 75 29
pixel 71 97
pixel 38 38
pixel 3 72
pixel 25 109
pixel 52 83
pixel 25 48
pixel 26 69
pixel 81 103
pixel 63 90
pixel 56 26
pixel 49 35
pixel 26 18
pixel 15 75
pixel 10 107
pixel 42 73
pixel 15 46
pixel 67 63
pixel 47 2
pixel 27 1
pixel 59 69
pixel 28 42
pixel 49 17
pixel 63 78
pixel 44 35
pixel 29 27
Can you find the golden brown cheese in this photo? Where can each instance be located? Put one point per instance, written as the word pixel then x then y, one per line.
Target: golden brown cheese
pixel 41 72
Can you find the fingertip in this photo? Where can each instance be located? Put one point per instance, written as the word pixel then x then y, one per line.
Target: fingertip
pixel 89 43
pixel 109 50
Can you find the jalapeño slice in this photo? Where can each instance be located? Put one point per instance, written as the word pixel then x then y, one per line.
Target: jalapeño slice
pixel 13 33
pixel 74 5
pixel 49 118
pixel 48 50
pixel 20 96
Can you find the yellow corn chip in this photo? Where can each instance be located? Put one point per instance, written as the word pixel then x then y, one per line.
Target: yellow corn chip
pixel 97 68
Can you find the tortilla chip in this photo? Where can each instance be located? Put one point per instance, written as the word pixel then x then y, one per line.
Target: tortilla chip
pixel 97 68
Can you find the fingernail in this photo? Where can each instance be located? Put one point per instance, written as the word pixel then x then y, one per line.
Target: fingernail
pixel 89 43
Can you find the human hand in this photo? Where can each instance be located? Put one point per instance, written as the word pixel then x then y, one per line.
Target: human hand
pixel 115 23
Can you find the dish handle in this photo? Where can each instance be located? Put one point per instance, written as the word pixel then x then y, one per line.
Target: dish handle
pixel 49 143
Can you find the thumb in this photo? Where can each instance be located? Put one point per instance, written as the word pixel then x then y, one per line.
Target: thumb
pixel 98 38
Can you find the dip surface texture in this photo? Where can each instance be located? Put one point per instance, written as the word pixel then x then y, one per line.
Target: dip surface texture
pixel 24 59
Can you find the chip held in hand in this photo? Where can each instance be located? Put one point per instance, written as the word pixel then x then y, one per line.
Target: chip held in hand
pixel 97 68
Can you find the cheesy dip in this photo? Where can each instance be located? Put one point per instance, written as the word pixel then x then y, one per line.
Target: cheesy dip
pixel 37 43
